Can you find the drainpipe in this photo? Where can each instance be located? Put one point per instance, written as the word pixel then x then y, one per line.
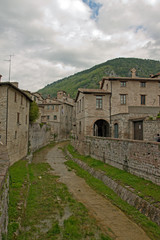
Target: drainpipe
pixel 7 118
pixel 110 108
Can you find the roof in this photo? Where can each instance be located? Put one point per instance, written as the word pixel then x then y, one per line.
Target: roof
pixel 90 91
pixel 152 79
pixel 156 75
pixel 19 90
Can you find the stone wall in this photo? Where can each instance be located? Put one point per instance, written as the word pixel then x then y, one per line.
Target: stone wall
pixel 4 190
pixel 141 158
pixel 39 136
pixel 151 128
pixel 149 210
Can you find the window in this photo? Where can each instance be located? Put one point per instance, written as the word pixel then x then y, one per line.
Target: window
pixel 123 99
pixel 18 117
pixel 98 102
pixel 83 104
pixel 116 130
pixel 53 107
pixel 143 99
pixel 48 107
pixel 143 84
pixel 47 117
pixel 80 106
pixel 21 99
pixel 123 84
pixel 80 127
pixel 15 135
pixel 55 117
pixel 15 97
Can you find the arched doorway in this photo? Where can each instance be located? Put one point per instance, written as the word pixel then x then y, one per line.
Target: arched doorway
pixel 101 128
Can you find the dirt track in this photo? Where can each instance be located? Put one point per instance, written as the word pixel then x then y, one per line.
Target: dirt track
pixel 109 217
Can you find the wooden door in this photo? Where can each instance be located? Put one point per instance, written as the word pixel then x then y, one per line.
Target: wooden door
pixel 138 130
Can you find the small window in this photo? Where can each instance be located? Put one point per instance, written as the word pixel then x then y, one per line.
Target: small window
pixel 143 99
pixel 98 102
pixel 18 117
pixel 80 127
pixel 21 100
pixel 15 135
pixel 53 107
pixel 123 84
pixel 123 99
pixel 48 107
pixel 143 84
pixel 15 97
pixel 47 117
pixel 55 117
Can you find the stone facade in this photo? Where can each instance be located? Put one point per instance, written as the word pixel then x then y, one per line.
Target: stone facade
pixel 119 108
pixel 58 113
pixel 141 158
pixel 14 120
pixel 91 105
pixel 4 190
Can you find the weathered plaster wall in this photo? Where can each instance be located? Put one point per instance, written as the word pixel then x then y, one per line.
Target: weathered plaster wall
pixel 4 190
pixel 39 136
pixel 141 158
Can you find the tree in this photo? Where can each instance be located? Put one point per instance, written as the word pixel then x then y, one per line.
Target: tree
pixel 34 112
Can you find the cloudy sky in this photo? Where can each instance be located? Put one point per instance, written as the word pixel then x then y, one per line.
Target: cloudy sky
pixel 52 39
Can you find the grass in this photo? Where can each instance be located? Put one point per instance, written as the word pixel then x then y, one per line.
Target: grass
pixel 152 229
pixel 143 188
pixel 40 207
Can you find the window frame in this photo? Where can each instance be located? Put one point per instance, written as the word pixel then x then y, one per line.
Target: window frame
pixel 123 99
pixel 123 83
pixel 99 102
pixel 143 99
pixel 143 84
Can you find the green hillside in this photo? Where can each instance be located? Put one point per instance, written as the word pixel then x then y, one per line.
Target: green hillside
pixel 90 78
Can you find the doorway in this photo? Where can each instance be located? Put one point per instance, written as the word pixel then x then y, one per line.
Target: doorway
pixel 101 128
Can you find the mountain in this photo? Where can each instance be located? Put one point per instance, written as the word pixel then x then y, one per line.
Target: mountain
pixel 90 78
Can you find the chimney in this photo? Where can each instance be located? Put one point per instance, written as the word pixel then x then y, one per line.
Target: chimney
pixel 0 77
pixel 133 71
pixel 15 84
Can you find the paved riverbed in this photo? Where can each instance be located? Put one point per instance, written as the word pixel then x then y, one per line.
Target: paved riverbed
pixel 108 217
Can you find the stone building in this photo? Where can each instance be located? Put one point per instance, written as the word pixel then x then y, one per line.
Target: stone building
pixel 58 113
pixel 119 108
pixel 14 120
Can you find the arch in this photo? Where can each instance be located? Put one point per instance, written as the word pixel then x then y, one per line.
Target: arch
pixel 101 128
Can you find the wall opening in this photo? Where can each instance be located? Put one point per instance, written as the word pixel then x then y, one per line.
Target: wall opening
pixel 101 128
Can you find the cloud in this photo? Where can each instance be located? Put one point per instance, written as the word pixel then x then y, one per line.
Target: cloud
pixel 54 39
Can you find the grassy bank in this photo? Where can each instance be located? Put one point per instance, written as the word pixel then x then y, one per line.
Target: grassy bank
pixel 40 207
pixel 143 188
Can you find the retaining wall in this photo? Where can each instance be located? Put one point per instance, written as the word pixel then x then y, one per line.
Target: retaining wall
pixel 39 136
pixel 149 210
pixel 141 158
pixel 4 190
